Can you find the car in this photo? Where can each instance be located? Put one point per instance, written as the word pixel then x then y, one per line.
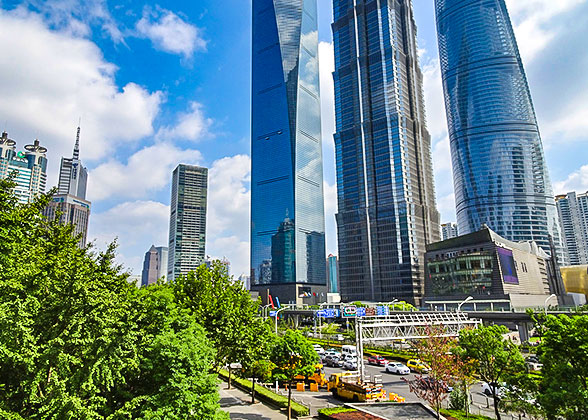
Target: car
pixel 377 360
pixel 533 363
pixel 487 389
pixel 318 348
pixel 350 364
pixel 397 368
pixel 334 361
pixel 415 365
pixel 330 353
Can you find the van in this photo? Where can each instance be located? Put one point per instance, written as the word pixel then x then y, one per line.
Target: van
pixel 348 350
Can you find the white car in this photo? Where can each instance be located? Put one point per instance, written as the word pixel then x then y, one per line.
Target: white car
pixel 397 368
pixel 487 389
pixel 318 348
pixel 350 364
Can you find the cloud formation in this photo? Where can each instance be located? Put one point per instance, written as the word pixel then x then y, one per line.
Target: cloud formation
pixel 576 181
pixel 170 33
pixel 191 125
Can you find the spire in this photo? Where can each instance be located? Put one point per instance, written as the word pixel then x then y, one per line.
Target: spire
pixel 76 151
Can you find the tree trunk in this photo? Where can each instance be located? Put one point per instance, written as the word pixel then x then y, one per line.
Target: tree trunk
pixel 289 401
pixel 229 377
pixel 496 411
pixel 253 390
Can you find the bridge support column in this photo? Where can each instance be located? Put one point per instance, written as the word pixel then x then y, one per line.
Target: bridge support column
pixel 523 328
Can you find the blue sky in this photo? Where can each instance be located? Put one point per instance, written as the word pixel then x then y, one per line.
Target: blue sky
pixel 157 84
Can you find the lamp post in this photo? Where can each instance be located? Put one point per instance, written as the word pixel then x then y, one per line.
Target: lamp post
pixel 264 310
pixel 320 321
pixel 276 315
pixel 466 300
pixel 547 300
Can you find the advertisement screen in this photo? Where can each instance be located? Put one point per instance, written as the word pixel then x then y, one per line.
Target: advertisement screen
pixel 507 265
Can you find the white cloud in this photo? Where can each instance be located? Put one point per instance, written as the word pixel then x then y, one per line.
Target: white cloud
pixel 53 78
pixel 147 171
pixel 170 33
pixel 533 23
pixel 192 125
pixel 434 99
pixel 227 227
pixel 136 224
pixel 576 181
pixel 446 206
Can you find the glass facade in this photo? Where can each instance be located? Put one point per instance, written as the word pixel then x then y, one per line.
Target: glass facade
pixel 333 268
pixel 499 170
pixel 287 209
pixel 466 275
pixel 386 196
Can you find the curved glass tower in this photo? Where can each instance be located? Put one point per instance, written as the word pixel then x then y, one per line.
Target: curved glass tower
pixel 499 170
pixel 287 209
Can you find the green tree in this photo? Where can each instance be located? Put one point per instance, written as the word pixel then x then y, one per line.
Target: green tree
pixel 255 353
pixel 495 359
pixel 563 391
pixel 292 355
pixel 78 342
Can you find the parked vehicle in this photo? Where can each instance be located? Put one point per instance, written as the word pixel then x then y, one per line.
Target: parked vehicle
pixel 415 365
pixel 330 353
pixel 350 364
pixel 317 377
pixel 318 348
pixel 487 389
pixel 397 368
pixel 377 360
pixel 533 363
pixel 334 361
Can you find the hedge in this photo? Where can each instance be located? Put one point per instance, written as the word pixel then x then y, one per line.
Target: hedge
pixel 326 413
pixel 461 415
pixel 265 395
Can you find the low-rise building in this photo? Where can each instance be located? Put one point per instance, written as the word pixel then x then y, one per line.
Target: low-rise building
pixel 499 274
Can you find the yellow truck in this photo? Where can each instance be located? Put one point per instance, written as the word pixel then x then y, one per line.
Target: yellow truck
pixel 318 377
pixel 349 387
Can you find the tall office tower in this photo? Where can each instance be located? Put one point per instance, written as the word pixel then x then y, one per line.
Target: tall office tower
pixel 448 231
pixel 573 216
pixel 29 168
pixel 332 269
pixel 499 170
pixel 187 222
pixel 73 176
pixel 154 265
pixel 287 209
pixel 70 201
pixel 386 195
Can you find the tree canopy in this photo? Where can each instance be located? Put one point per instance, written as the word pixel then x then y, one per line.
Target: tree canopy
pixel 78 342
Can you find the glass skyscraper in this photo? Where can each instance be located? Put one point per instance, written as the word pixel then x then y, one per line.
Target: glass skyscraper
pixel 287 210
pixel 499 170
pixel 386 195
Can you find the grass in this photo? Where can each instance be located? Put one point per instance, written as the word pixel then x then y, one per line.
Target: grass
pixel 461 415
pixel 265 395
pixel 325 413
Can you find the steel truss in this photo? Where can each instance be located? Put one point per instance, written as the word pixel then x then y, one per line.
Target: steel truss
pixel 408 326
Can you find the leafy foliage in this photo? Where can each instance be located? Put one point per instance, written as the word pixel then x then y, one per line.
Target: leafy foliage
pixel 78 342
pixel 494 358
pixel 564 354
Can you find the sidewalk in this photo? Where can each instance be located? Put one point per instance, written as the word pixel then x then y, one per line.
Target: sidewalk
pixel 238 404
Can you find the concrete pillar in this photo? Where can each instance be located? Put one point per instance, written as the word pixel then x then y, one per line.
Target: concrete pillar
pixel 523 328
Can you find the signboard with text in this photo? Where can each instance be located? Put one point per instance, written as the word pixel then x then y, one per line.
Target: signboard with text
pixel 328 313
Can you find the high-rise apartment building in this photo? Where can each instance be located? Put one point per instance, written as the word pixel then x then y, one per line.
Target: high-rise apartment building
pixel 448 231
pixel 29 168
pixel 154 265
pixel 287 210
pixel 386 195
pixel 187 223
pixel 499 170
pixel 70 201
pixel 573 216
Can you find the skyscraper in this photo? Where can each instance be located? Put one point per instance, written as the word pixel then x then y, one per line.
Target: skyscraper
pixel 154 265
pixel 187 222
pixel 70 201
pixel 332 269
pixel 386 195
pixel 73 176
pixel 29 168
pixel 287 210
pixel 448 231
pixel 573 216
pixel 499 170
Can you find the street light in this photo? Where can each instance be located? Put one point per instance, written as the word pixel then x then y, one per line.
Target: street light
pixel 276 315
pixel 547 300
pixel 320 320
pixel 465 301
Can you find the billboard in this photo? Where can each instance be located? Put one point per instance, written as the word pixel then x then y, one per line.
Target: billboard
pixel 507 266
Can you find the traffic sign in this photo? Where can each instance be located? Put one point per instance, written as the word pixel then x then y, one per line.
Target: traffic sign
pixel 273 313
pixel 349 312
pixel 328 313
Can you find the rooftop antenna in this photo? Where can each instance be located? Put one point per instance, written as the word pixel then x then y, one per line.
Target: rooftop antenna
pixel 76 151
